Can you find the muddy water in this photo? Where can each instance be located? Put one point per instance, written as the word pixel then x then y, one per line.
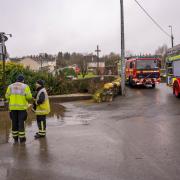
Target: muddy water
pixel 64 114
pixel 57 113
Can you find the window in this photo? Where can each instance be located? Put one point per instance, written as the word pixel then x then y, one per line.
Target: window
pixel 147 64
pixel 131 65
pixel 176 68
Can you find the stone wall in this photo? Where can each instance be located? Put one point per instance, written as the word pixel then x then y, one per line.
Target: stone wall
pixel 90 85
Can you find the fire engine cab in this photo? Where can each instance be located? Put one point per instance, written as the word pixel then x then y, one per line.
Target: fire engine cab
pixel 143 71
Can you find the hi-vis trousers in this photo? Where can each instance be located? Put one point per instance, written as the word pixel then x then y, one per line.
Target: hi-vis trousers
pixel 18 123
pixel 41 122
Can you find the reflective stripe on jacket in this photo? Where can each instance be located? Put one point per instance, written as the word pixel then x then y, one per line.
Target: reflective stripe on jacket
pixel 44 108
pixel 18 95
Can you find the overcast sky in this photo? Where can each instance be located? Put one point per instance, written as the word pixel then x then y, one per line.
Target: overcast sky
pixel 79 25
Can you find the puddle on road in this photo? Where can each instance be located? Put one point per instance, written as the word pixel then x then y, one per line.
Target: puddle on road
pixel 61 115
pixel 76 114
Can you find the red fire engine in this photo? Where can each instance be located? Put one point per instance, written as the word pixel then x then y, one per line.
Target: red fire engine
pixel 173 69
pixel 143 71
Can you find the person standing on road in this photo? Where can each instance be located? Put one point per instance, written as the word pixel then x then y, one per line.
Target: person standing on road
pixel 18 94
pixel 41 108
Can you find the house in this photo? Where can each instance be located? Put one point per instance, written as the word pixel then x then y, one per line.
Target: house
pixel 49 66
pixel 97 66
pixel 93 63
pixel 35 65
pixel 104 69
pixel 30 63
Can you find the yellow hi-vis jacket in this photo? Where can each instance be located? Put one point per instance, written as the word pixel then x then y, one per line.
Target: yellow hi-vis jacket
pixel 44 108
pixel 18 95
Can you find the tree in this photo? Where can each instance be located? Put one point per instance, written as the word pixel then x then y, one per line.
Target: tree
pixel 162 51
pixel 67 56
pixel 111 63
pixel 75 59
pixel 83 67
pixel 112 59
pixel 60 62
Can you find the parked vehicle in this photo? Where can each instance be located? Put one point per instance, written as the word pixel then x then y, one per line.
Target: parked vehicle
pixel 143 71
pixel 173 69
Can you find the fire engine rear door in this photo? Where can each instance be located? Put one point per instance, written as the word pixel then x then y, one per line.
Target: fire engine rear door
pixel 176 68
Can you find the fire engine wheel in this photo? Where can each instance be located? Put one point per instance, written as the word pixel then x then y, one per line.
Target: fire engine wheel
pixel 153 85
pixel 131 82
pixel 176 92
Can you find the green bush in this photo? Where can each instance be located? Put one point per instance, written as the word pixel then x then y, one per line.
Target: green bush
pixel 55 84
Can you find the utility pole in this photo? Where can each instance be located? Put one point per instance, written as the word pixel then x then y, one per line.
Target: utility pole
pixel 3 53
pixel 97 51
pixel 3 38
pixel 122 50
pixel 41 62
pixel 3 65
pixel 172 37
pixel 41 57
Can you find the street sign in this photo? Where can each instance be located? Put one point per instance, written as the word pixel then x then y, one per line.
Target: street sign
pixel 2 37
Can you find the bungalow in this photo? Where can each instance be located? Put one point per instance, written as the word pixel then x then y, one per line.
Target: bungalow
pixel 37 65
pixel 30 63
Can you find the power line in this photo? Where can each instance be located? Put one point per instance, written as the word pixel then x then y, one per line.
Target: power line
pixel 154 21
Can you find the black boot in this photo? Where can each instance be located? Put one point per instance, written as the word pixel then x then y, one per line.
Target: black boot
pixel 15 140
pixel 22 140
pixel 37 136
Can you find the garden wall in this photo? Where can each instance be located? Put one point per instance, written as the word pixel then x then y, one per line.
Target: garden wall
pixel 90 85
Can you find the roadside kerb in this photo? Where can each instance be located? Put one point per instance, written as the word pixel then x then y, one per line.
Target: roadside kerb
pixel 71 97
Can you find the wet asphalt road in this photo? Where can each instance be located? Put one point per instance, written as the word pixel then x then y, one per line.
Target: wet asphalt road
pixel 133 138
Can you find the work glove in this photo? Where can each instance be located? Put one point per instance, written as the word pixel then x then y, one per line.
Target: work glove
pixel 34 107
